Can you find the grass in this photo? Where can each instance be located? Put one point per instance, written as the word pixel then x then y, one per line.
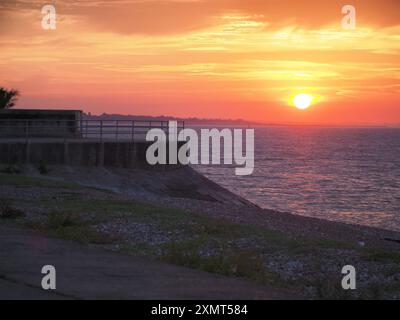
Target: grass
pixel 70 226
pixel 245 263
pixel 42 168
pixel 11 169
pixel 382 256
pixel 7 211
pixel 105 210
pixel 224 228
pixel 82 234
pixel 204 243
pixel 208 244
pixel 139 249
pixel 24 181
pixel 64 220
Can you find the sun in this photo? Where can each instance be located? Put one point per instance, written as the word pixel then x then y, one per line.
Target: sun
pixel 303 101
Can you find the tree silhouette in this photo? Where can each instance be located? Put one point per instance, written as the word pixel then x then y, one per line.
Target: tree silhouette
pixel 8 98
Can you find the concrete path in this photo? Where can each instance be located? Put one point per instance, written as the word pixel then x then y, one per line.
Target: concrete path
pixel 85 272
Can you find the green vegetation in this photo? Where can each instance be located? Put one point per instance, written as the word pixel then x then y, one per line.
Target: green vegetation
pixel 11 169
pixel 8 98
pixel 24 181
pixel 7 211
pixel 139 249
pixel 229 261
pixel 64 220
pixel 82 234
pixel 42 168
pixel 382 256
pixel 198 241
pixel 71 226
pixel 106 210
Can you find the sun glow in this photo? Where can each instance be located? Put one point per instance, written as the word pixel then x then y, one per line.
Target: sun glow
pixel 302 101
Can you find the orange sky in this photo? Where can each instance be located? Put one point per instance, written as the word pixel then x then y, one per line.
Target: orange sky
pixel 206 58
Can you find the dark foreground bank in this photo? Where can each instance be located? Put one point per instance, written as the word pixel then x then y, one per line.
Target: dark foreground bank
pixel 290 255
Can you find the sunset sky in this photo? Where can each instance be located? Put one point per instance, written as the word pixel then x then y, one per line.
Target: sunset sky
pixel 207 58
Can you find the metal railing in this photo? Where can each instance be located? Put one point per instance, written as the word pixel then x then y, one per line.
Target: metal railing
pixel 103 130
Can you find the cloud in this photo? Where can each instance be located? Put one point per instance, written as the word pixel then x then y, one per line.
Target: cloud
pixel 182 51
pixel 157 17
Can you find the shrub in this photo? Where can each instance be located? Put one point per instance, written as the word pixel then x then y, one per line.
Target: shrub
pixel 58 220
pixel 71 226
pixel 239 263
pixel 84 234
pixel 248 263
pixel 42 168
pixel 7 211
pixel 11 169
pixel 8 98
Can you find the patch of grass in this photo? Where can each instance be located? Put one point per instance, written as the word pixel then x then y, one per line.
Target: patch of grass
pixel 393 287
pixel 71 196
pixel 24 181
pixel 218 227
pixel 57 220
pixel 331 289
pixel 205 243
pixel 248 264
pixel 391 271
pixel 106 210
pixel 83 234
pixel 374 291
pixel 139 249
pixel 42 168
pixel 227 261
pixel 7 211
pixel 72 227
pixel 229 242
pixel 11 169
pixel 223 228
pixel 204 234
pixel 312 246
pixel 382 256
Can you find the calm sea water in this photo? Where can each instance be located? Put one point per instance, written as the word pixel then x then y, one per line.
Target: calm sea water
pixel 343 174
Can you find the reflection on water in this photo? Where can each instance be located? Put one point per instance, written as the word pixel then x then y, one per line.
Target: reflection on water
pixel 345 174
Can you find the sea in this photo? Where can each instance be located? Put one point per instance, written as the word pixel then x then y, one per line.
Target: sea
pixel 342 174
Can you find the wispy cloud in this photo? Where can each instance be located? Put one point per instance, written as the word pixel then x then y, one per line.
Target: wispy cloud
pixel 180 52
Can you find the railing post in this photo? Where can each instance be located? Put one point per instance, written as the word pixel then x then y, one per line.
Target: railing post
pixel 133 130
pixel 26 131
pixel 116 131
pixel 101 130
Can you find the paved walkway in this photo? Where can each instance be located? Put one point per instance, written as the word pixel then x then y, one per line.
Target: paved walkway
pixel 85 272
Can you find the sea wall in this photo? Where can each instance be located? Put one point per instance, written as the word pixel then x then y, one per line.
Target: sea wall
pixel 40 123
pixel 121 154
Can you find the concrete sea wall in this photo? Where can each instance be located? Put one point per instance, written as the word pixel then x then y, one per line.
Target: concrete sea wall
pixel 121 154
pixel 40 123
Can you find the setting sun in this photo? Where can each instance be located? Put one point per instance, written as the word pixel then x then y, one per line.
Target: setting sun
pixel 303 101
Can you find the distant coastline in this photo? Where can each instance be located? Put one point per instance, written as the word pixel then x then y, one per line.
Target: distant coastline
pixel 193 121
pixel 189 121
